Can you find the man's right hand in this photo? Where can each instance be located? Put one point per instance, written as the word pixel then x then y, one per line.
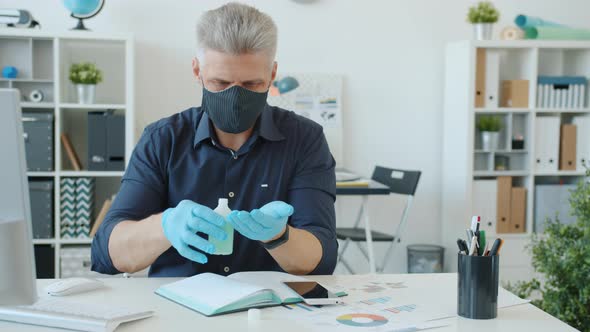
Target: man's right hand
pixel 181 224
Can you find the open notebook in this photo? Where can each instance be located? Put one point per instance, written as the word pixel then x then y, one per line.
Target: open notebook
pixel 212 294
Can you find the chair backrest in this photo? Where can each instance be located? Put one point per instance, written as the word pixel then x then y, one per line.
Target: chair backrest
pixel 399 181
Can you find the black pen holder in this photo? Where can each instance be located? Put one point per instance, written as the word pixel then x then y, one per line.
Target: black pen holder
pixel 477 286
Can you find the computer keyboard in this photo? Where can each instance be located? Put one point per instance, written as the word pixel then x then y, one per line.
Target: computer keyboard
pixel 66 314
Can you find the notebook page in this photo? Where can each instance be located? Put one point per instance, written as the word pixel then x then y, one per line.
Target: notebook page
pixel 212 290
pixel 269 279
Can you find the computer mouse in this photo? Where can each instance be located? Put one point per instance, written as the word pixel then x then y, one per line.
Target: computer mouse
pixel 73 286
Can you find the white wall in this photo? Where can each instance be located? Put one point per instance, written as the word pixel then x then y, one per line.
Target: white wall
pixel 390 53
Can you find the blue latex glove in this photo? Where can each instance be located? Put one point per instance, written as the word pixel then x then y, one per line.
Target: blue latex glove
pixel 262 224
pixel 181 224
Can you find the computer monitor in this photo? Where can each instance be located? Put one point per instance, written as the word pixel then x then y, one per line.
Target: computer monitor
pixel 17 265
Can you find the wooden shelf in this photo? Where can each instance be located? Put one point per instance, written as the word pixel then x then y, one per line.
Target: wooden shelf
pixel 502 110
pixel 26 80
pixel 40 174
pixel 28 104
pixel 44 241
pixel 92 106
pixel 561 173
pixel 501 173
pixel 561 110
pixel 568 44
pixel 500 151
pixel 75 241
pixel 96 174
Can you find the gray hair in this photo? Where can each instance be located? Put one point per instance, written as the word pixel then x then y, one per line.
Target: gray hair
pixel 235 29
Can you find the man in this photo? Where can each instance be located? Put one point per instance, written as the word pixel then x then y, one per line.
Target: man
pixel 273 165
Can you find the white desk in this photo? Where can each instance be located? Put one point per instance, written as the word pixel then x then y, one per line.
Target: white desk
pixel 138 292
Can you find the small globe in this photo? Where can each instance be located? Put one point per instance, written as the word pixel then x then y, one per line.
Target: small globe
pixel 82 7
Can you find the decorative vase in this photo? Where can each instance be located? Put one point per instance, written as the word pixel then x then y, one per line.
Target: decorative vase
pixel 483 31
pixel 489 140
pixel 86 93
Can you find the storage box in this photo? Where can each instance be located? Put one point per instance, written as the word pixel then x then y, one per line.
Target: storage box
pixel 77 205
pixel 106 141
pixel 567 150
pixel 503 204
pixel 41 196
pixel 515 93
pixel 518 210
pixel 38 132
pixel 480 77
pixel 45 261
pixel 75 262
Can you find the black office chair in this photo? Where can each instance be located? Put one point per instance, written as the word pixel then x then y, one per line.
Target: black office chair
pixel 399 182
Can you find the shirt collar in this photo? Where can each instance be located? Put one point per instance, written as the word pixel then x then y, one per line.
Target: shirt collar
pixel 204 130
pixel 267 128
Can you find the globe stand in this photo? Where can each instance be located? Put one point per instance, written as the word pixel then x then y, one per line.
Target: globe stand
pixel 80 25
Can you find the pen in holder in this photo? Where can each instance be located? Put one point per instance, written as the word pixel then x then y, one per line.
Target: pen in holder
pixel 477 286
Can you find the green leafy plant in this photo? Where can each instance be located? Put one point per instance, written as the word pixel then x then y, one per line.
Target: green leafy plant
pixel 85 73
pixel 562 256
pixel 483 12
pixel 489 123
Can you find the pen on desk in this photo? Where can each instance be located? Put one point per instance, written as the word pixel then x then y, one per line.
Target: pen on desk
pixel 473 248
pixel 465 246
pixel 481 238
pixel 469 236
pixel 496 247
pixel 462 246
pixel 475 223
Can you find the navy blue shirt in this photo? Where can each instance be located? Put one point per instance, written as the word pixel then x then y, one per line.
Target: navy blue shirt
pixel 287 158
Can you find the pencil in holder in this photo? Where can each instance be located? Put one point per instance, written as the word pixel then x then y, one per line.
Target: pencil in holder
pixel 477 286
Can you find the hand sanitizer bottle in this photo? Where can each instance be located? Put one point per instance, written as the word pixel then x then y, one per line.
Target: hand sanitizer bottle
pixel 225 247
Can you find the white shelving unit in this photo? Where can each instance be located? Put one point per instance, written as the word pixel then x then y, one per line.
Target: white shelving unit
pixel 463 159
pixel 43 60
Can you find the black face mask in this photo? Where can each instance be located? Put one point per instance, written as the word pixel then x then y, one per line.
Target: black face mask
pixel 234 110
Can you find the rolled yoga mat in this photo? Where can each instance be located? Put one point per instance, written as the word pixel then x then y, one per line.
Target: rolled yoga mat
pixel 512 33
pixel 556 33
pixel 524 21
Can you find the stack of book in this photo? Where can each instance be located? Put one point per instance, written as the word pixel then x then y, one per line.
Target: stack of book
pixel 565 92
pixel 77 203
pixel 345 179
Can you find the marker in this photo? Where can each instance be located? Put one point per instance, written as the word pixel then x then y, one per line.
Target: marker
pixel 469 236
pixel 496 247
pixel 475 223
pixel 465 246
pixel 462 246
pixel 473 248
pixel 481 239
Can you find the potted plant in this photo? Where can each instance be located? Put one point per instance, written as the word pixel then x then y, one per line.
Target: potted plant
pixel 483 16
pixel 85 76
pixel 561 255
pixel 489 127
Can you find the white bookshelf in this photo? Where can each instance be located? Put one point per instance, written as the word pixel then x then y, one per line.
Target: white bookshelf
pixel 463 159
pixel 92 107
pixel 43 59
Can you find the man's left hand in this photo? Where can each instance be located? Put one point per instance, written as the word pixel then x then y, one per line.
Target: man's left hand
pixel 264 224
